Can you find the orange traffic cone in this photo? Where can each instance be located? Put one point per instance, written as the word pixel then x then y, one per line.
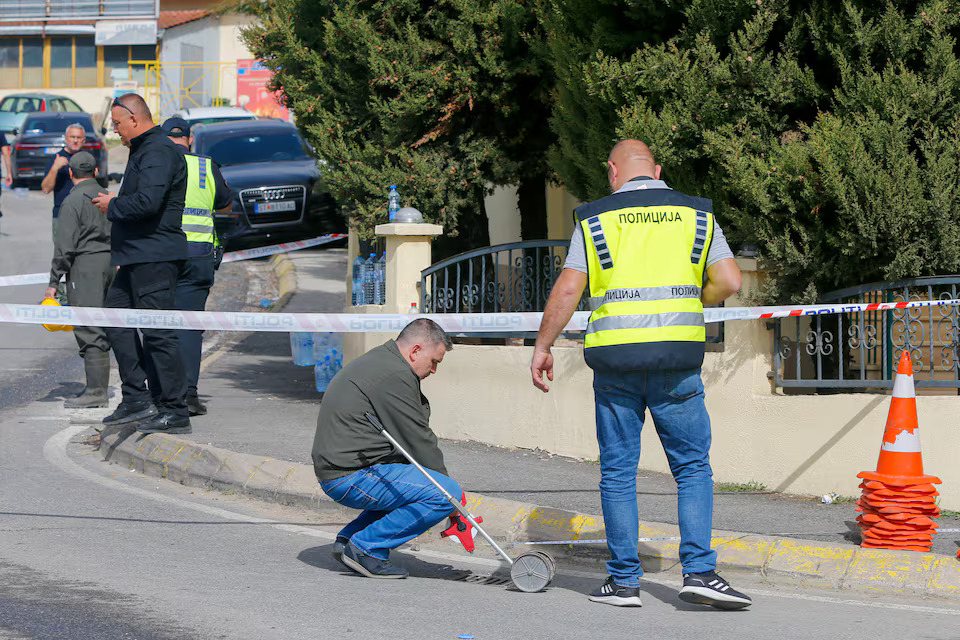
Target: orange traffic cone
pixel 898 500
pixel 900 461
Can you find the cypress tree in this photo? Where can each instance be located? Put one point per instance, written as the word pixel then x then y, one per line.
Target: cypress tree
pixel 442 99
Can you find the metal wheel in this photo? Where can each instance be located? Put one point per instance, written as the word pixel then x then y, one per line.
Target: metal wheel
pixel 532 571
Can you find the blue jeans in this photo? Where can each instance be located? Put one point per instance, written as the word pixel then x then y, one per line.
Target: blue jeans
pixel 675 400
pixel 398 505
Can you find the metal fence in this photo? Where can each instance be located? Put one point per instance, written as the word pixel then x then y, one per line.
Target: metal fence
pixel 517 276
pixel 860 350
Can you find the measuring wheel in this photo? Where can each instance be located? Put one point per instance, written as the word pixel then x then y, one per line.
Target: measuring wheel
pixel 532 571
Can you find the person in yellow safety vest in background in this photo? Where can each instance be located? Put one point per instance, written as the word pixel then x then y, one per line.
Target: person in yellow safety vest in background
pixel 207 192
pixel 652 257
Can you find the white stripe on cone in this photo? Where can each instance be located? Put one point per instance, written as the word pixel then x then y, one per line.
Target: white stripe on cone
pixel 903 386
pixel 907 441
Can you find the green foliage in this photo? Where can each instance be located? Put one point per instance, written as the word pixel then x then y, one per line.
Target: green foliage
pixel 739 487
pixel 827 133
pixel 441 99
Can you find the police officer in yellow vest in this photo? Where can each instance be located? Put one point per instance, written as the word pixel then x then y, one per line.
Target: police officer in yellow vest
pixel 207 192
pixel 652 257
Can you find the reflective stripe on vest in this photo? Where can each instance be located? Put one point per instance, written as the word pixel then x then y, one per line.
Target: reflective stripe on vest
pixel 197 220
pixel 645 275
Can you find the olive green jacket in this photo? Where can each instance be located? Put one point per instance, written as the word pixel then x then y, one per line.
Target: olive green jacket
pixel 383 383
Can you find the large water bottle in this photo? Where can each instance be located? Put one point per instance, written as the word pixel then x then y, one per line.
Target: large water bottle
pixel 380 280
pixel 393 203
pixel 357 288
pixel 321 345
pixel 369 268
pixel 336 362
pixel 322 374
pixel 301 348
pixel 320 377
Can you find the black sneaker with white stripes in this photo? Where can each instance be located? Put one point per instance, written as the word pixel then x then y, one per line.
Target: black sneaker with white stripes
pixel 611 593
pixel 709 588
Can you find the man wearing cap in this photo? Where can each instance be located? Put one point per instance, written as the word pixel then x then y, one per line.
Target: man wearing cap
pixel 149 247
pixel 203 198
pixel 81 251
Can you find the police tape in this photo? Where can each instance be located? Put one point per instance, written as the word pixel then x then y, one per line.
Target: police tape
pixel 363 323
pixel 260 252
pixel 233 256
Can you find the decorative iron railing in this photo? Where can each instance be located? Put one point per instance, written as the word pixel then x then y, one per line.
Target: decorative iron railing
pixel 860 350
pixel 516 276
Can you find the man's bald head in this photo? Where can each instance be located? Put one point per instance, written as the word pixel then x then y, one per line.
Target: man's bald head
pixel 629 159
pixel 131 116
pixel 135 103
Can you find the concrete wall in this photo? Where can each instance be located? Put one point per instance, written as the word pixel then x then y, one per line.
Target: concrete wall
pixel 802 444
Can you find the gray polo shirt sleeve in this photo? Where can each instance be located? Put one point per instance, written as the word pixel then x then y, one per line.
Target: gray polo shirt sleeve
pixel 577 254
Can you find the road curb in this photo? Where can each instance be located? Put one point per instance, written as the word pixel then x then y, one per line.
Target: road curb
pixel 838 567
pixel 286 274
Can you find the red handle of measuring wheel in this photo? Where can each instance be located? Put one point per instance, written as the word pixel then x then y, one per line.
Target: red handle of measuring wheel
pixel 461 529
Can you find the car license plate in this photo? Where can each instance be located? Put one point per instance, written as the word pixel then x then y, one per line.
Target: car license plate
pixel 271 207
pixel 51 150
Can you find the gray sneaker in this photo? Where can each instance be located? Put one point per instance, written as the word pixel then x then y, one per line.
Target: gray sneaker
pixel 369 566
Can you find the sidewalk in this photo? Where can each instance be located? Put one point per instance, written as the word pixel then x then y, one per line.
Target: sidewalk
pixel 259 432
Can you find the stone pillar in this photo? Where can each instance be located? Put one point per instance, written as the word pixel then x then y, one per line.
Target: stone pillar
pixel 408 253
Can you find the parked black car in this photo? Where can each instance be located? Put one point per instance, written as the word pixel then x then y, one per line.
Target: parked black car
pixel 42 137
pixel 275 179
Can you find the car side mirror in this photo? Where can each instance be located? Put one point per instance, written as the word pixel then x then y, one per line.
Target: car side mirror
pixel 103 131
pixel 15 131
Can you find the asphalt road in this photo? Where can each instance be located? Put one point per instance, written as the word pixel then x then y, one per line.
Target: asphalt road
pixel 90 550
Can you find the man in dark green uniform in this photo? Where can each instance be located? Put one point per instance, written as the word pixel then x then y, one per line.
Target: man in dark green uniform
pixel 82 252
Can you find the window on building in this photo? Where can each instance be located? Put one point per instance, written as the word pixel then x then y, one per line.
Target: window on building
pixel 21 63
pixel 84 62
pixel 63 62
pixel 116 62
pixel 141 52
pixel 31 71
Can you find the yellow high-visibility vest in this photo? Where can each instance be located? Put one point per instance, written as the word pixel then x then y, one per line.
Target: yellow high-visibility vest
pixel 646 252
pixel 197 220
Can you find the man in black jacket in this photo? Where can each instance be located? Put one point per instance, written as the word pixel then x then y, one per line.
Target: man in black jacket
pixel 149 247
pixel 359 468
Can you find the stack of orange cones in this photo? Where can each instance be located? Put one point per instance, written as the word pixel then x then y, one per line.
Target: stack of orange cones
pixel 898 500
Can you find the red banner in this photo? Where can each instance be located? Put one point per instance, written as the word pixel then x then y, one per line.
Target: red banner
pixel 252 92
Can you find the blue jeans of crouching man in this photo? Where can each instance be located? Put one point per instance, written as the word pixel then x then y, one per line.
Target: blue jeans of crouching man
pixel 676 402
pixel 398 505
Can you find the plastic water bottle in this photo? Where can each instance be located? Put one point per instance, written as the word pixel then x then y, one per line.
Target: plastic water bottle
pixel 322 374
pixel 301 348
pixel 336 362
pixel 320 377
pixel 393 203
pixel 321 345
pixel 369 267
pixel 357 288
pixel 413 308
pixel 380 280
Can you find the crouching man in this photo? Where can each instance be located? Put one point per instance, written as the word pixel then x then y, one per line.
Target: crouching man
pixel 358 468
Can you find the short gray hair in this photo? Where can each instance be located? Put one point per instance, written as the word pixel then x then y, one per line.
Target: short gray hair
pixel 75 125
pixel 426 331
